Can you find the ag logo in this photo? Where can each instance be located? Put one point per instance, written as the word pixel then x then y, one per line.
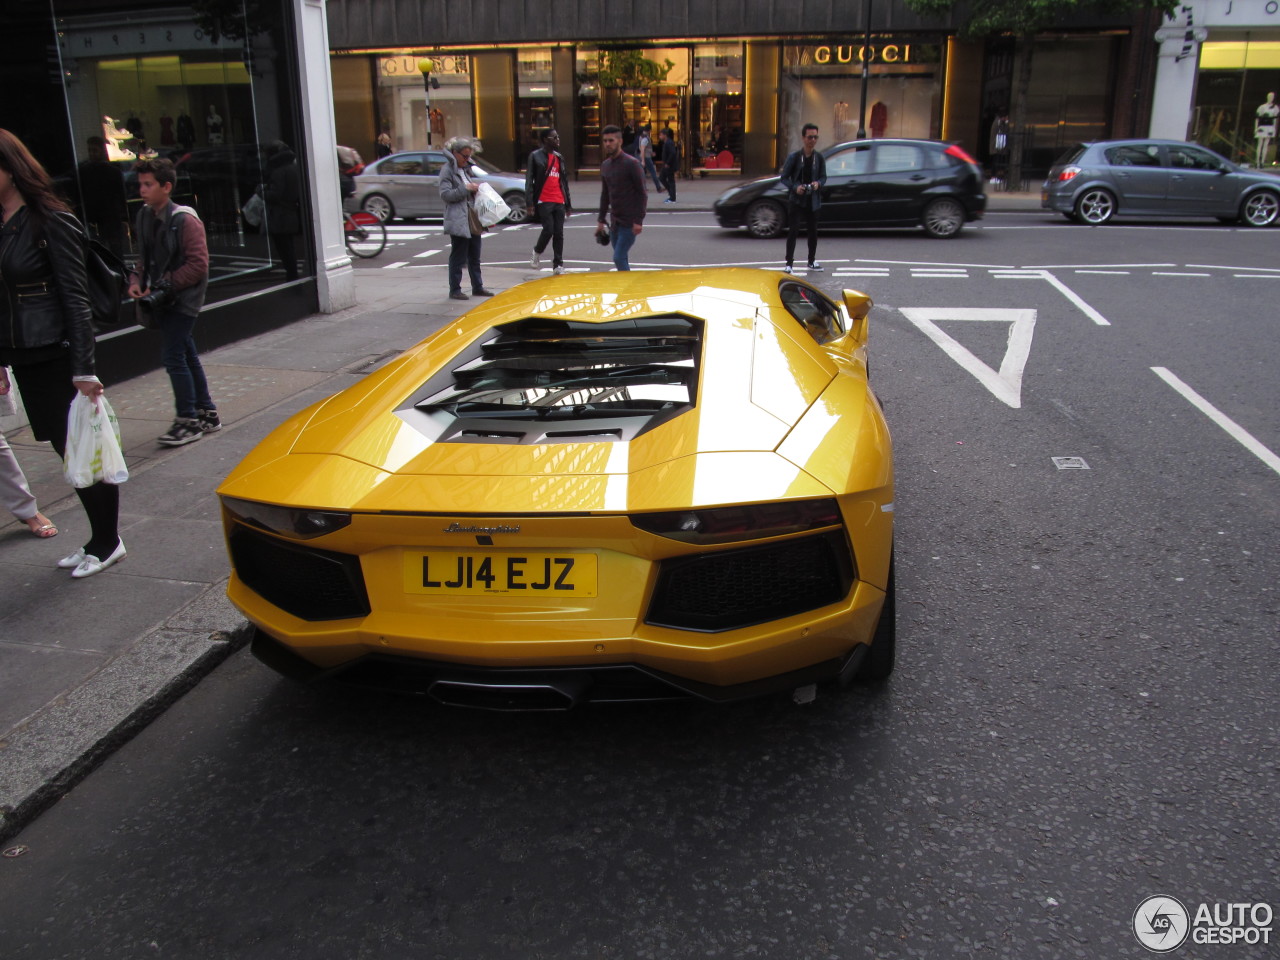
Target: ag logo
pixel 1161 924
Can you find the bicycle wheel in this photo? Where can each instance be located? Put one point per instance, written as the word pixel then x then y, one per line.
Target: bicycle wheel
pixel 366 235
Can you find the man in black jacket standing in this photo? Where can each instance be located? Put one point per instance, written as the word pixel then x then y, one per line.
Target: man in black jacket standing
pixel 623 198
pixel 804 175
pixel 546 191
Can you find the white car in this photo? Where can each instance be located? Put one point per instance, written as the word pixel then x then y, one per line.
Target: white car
pixel 406 186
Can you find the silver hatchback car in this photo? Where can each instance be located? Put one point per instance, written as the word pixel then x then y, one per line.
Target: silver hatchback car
pixel 407 185
pixel 1093 182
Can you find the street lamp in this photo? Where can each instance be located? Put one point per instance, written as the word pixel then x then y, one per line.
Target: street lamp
pixel 425 66
pixel 866 76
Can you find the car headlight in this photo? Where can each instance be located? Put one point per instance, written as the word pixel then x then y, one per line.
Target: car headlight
pixel 749 522
pixel 291 522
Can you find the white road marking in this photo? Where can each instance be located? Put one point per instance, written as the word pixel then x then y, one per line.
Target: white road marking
pixel 426 253
pixel 1116 273
pixel 1171 273
pixel 1067 292
pixel 1233 429
pixel 1216 266
pixel 1257 276
pixel 1005 385
pixel 393 266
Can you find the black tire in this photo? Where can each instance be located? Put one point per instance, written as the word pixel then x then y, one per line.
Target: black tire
pixel 943 218
pixel 1260 209
pixel 366 240
pixel 380 206
pixel 766 219
pixel 519 209
pixel 878 663
pixel 1095 207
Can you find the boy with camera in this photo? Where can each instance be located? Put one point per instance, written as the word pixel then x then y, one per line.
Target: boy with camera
pixel 804 175
pixel 169 287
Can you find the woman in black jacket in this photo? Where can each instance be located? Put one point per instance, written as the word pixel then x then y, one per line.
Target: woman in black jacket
pixel 46 334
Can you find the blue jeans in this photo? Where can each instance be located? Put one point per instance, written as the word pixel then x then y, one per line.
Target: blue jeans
pixel 651 172
pixel 623 240
pixel 182 361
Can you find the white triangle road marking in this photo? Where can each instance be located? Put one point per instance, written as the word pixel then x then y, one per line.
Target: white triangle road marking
pixel 1005 385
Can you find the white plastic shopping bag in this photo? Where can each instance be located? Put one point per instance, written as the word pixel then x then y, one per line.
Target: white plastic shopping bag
pixel 490 207
pixel 93 444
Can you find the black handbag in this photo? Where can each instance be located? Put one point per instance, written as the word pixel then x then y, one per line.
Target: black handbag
pixel 106 276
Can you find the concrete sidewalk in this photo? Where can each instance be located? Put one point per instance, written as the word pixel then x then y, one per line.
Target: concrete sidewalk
pixel 85 664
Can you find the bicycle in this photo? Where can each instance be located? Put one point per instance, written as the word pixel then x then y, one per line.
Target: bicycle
pixel 365 234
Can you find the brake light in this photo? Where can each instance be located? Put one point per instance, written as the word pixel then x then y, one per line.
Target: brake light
pixel 748 522
pixel 1068 173
pixel 955 151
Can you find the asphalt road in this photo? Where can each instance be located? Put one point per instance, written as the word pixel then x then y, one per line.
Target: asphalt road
pixel 1083 715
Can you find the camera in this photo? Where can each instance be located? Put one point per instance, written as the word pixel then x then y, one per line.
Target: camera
pixel 160 295
pixel 805 189
pixel 603 239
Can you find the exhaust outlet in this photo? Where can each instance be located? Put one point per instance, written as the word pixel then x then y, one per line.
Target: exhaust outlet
pixel 538 697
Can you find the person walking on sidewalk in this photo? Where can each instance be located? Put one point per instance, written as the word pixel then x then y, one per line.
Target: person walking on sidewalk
pixel 646 158
pixel 546 192
pixel 15 492
pixel 170 282
pixel 804 174
pixel 282 195
pixel 458 191
pixel 670 163
pixel 46 334
pixel 622 197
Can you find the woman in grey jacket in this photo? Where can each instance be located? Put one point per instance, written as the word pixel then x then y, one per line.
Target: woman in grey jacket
pixel 458 191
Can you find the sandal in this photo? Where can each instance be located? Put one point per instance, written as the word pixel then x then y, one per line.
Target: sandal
pixel 41 526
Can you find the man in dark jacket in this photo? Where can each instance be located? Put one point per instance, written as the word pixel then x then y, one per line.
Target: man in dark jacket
pixel 669 154
pixel 804 174
pixel 623 195
pixel 170 282
pixel 283 195
pixel 546 192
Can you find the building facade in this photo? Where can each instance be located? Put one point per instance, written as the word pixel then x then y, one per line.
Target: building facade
pixel 92 84
pixel 733 81
pixel 1218 78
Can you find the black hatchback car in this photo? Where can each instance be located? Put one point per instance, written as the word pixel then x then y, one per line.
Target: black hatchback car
pixel 872 183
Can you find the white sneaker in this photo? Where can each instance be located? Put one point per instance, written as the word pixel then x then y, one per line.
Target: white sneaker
pixel 557 270
pixel 815 266
pixel 536 260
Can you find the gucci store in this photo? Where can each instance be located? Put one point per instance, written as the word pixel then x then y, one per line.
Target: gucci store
pixel 94 86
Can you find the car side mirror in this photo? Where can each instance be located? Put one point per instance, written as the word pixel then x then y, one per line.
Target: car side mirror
pixel 859 305
pixel 1224 168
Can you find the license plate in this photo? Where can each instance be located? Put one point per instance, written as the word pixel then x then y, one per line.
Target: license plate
pixel 527 574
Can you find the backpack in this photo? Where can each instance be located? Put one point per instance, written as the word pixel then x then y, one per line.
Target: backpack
pixel 106 276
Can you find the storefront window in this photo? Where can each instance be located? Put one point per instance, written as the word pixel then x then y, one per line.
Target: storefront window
pixel 535 101
pixel 717 105
pixel 402 100
pixel 631 88
pixel 210 91
pixel 1235 104
pixel 822 83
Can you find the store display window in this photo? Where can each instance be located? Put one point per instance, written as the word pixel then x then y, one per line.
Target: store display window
pixel 1235 107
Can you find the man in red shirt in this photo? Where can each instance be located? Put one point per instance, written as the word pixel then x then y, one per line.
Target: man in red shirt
pixel 546 191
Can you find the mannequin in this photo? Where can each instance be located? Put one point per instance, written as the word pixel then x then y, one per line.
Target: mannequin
pixel 1264 128
pixel 213 123
pixel 879 119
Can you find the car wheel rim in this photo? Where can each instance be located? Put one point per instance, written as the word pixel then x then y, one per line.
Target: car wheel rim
pixel 519 212
pixel 1261 210
pixel 765 221
pixel 944 219
pixel 1095 207
pixel 379 208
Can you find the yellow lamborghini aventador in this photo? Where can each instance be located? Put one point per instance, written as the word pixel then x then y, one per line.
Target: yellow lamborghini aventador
pixel 599 487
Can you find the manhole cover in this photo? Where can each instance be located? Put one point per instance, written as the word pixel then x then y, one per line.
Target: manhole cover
pixel 1070 463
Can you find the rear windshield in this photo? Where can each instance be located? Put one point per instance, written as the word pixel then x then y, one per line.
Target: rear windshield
pixel 1071 156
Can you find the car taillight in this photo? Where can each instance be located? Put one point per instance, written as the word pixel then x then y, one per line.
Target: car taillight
pixel 1068 173
pixel 749 522
pixel 955 151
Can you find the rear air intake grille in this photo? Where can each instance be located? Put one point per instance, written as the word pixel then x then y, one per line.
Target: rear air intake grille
pixel 311 584
pixel 737 588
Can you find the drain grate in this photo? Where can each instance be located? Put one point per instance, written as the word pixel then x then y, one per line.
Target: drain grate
pixel 1070 463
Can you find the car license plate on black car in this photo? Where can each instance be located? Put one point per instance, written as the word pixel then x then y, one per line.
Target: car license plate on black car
pixel 528 574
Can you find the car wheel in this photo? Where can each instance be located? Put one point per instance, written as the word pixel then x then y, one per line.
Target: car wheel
pixel 519 210
pixel 765 219
pixel 1095 206
pixel 878 662
pixel 1260 209
pixel 943 218
pixel 379 206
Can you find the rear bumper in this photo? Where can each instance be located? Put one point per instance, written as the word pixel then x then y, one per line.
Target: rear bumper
pixel 536 689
